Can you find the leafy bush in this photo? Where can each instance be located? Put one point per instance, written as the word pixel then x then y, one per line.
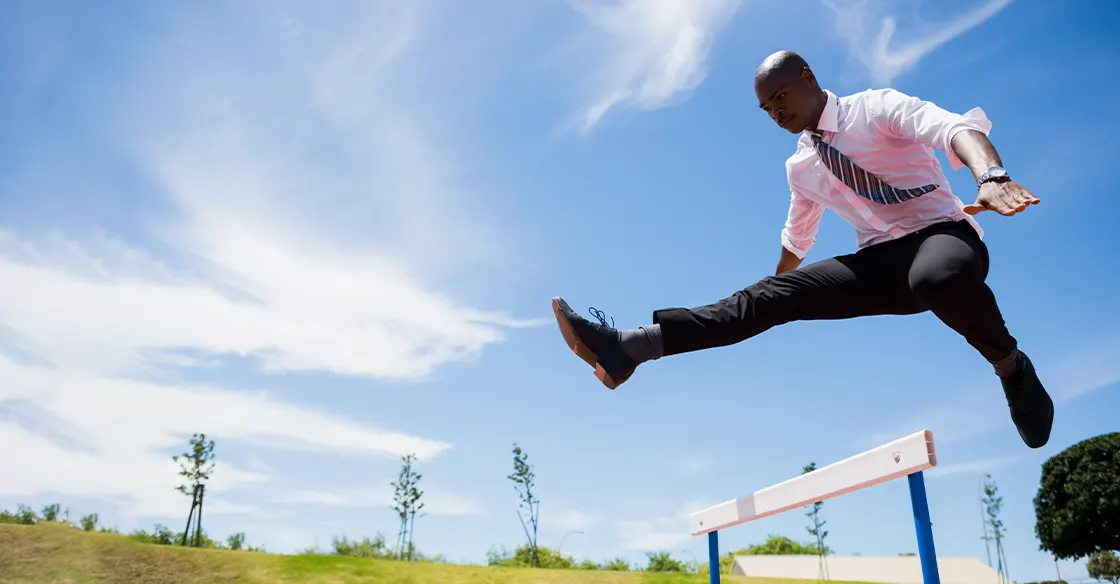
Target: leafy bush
pixel 1078 500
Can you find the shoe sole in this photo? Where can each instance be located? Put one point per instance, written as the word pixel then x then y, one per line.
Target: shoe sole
pixel 580 349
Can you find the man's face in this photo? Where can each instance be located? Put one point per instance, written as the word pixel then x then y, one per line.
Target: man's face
pixel 790 98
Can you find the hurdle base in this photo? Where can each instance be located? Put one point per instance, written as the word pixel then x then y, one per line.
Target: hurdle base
pixel 927 555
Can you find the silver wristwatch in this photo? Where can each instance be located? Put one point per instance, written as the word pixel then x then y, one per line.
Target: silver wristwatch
pixel 993 174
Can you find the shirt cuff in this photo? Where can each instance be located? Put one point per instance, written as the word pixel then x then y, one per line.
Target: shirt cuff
pixel 973 119
pixel 799 251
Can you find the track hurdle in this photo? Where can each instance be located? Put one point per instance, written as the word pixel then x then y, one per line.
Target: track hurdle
pixel 906 457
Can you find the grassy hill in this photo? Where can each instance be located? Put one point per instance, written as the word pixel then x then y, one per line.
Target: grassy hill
pixel 56 554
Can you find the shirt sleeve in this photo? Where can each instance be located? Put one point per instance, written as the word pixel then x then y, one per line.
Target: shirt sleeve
pixel 800 231
pixel 906 116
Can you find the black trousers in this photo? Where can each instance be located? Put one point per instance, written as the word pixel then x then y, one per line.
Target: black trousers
pixel 941 268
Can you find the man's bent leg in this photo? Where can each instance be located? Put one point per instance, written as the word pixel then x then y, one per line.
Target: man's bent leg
pixel 947 276
pixel 862 284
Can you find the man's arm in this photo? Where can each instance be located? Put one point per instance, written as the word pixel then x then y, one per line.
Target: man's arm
pixel 962 137
pixel 788 261
pixel 977 153
pixel 800 231
pixel 908 117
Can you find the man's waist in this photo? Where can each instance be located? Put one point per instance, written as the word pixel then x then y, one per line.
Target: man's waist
pixel 872 236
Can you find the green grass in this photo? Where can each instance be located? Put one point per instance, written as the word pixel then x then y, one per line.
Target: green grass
pixel 57 554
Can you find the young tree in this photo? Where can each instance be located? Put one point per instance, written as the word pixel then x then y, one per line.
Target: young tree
pixel 984 525
pixel 50 512
pixel 523 482
pixel 89 522
pixel 663 562
pixel 780 545
pixel 993 504
pixel 406 498
pixel 1078 499
pixel 415 506
pixel 196 466
pixel 1104 565
pixel 236 541
pixel 817 528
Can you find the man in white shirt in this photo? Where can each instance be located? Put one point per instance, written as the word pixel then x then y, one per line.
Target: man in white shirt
pixel 869 157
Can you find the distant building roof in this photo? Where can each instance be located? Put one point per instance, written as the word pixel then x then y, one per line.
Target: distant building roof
pixel 888 570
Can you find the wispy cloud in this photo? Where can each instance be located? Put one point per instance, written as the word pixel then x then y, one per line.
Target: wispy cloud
pixel 294 212
pixel 980 407
pixel 648 55
pixel 295 309
pixel 571 520
pixel 870 31
pixel 436 501
pixel 659 532
pixel 81 435
pixel 972 467
pixel 692 465
pixel 1090 369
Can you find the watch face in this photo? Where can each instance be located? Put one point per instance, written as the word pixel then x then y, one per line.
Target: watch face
pixel 995 174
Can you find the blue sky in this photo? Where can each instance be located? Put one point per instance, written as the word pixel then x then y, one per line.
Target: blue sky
pixel 327 238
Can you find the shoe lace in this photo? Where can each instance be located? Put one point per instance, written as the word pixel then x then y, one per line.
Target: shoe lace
pixel 599 314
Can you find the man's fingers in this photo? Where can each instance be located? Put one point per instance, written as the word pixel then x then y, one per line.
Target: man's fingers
pixel 1005 201
pixel 1024 199
pixel 1022 194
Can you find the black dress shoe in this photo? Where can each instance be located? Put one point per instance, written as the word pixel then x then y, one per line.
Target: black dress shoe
pixel 1032 410
pixel 597 344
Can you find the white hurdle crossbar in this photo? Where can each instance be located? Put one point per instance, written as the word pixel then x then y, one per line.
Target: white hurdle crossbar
pixel 908 456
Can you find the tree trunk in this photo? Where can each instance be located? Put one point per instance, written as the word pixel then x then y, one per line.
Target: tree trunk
pixel 187 529
pixel 411 527
pixel 198 528
pixel 400 537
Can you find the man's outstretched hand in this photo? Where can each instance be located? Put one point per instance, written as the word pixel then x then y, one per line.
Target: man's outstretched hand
pixel 1007 198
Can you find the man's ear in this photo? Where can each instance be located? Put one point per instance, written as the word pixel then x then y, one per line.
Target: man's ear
pixel 807 75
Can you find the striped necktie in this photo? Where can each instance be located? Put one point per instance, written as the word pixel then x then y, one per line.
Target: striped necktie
pixel 862 182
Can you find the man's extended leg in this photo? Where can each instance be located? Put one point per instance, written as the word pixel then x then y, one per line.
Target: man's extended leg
pixel 947 276
pixel 872 281
pixel 866 283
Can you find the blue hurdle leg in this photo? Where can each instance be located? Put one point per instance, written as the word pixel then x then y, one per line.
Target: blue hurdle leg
pixel 924 527
pixel 713 556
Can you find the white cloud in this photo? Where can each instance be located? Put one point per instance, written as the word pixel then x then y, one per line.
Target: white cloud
pixel 86 436
pixel 980 407
pixel 436 501
pixel 869 31
pixel 648 53
pixel 312 310
pixel 296 211
pixel 1091 369
pixel 693 465
pixel 571 520
pixel 659 532
pixel 977 467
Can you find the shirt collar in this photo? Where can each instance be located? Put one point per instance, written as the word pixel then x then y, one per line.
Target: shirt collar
pixel 830 117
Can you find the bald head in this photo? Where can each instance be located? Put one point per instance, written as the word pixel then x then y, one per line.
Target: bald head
pixel 788 91
pixel 780 63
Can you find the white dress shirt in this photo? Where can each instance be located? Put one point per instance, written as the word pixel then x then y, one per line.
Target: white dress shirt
pixel 893 136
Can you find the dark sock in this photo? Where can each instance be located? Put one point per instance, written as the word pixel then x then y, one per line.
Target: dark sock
pixel 643 344
pixel 1009 365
